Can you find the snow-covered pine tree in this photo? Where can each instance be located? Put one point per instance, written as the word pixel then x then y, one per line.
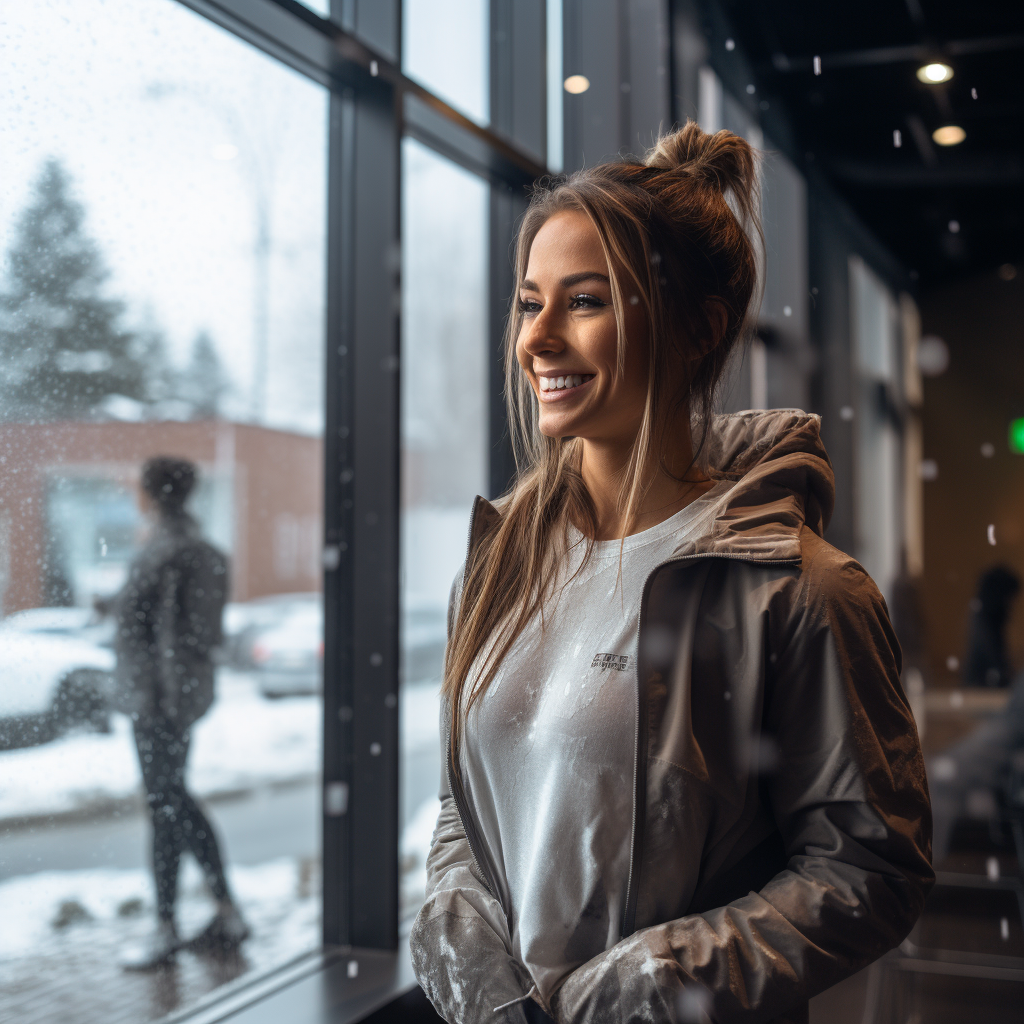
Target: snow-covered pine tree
pixel 62 347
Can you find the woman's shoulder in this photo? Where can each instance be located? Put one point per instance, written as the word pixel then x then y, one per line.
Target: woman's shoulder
pixel 832 591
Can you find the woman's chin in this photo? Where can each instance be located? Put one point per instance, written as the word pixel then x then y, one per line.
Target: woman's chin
pixel 555 426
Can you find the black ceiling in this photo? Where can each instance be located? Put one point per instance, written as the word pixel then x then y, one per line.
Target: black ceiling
pixel 945 211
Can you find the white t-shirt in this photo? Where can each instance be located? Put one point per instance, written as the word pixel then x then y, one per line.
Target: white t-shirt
pixel 549 752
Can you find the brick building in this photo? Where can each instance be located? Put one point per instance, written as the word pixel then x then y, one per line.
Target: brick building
pixel 69 521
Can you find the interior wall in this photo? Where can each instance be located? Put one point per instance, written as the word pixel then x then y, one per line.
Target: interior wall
pixel 968 406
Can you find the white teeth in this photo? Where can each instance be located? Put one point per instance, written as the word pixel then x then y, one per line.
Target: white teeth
pixel 570 380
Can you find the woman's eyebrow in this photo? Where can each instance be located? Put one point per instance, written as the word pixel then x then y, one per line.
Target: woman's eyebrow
pixel 568 282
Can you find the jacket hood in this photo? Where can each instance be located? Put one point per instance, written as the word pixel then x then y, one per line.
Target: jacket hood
pixel 777 478
pixel 780 480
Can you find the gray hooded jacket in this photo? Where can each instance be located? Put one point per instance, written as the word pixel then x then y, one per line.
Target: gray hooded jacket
pixel 781 833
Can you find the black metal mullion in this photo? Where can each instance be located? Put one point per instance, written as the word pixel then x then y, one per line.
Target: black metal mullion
pixel 361 736
pixel 375 523
pixel 338 527
pixel 506 206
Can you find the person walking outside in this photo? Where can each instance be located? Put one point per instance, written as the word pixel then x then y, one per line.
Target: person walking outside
pixel 168 618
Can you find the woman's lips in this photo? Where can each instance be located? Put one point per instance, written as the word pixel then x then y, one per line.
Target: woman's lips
pixel 554 393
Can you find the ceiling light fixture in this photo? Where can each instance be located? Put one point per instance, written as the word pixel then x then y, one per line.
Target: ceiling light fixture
pixel 932 74
pixel 949 135
pixel 577 84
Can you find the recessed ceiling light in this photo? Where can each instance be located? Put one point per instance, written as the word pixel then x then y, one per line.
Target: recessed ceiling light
pixel 949 135
pixel 577 84
pixel 932 74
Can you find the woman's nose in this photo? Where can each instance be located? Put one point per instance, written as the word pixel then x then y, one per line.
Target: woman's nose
pixel 542 334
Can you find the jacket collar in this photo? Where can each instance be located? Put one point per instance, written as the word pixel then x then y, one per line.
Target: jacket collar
pixel 778 479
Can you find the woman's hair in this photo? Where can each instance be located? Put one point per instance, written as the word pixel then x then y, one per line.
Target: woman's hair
pixel 168 481
pixel 678 232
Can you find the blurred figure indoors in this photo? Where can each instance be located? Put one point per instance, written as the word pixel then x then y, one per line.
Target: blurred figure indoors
pixel 987 663
pixel 168 623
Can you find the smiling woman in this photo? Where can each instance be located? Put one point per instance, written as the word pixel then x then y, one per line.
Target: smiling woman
pixel 660 760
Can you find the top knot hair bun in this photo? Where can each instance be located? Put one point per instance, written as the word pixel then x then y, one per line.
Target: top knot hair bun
pixel 724 159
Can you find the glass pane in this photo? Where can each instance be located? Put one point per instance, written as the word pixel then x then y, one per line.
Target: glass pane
pixel 162 212
pixel 321 7
pixel 445 48
pixel 444 456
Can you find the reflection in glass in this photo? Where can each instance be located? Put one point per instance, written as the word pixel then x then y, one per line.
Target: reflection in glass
pixel 162 210
pixel 445 47
pixel 444 457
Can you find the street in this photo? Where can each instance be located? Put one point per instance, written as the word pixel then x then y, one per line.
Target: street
pixel 283 821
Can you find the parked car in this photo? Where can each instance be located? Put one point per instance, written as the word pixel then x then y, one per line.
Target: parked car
pixel 288 658
pixel 246 621
pixel 57 673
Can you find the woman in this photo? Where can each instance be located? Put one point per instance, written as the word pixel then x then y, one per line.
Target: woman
pixel 682 776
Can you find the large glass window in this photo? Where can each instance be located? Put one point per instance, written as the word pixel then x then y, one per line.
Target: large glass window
pixel 444 456
pixel 162 217
pixel 445 47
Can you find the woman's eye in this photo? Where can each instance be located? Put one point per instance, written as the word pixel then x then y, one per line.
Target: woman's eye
pixel 528 307
pixel 584 301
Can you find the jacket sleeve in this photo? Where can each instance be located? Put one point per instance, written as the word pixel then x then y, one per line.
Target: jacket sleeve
pixel 850 800
pixel 461 948
pixel 460 943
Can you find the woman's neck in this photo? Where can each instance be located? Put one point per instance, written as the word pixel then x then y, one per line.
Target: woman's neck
pixel 671 480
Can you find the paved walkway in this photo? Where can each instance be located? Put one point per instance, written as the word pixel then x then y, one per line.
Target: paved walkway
pixel 73 975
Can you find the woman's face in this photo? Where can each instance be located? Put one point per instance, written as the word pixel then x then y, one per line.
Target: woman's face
pixel 568 341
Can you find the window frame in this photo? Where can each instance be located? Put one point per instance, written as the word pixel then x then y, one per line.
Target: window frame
pixel 356 54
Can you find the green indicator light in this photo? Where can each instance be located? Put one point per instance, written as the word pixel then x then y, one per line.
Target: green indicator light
pixel 1017 436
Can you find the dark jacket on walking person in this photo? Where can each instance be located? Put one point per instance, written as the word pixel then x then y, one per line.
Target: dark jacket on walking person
pixel 169 623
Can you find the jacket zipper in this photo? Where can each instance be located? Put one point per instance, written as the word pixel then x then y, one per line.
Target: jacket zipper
pixel 640 780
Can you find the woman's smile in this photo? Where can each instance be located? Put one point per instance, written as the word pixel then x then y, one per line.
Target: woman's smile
pixel 557 387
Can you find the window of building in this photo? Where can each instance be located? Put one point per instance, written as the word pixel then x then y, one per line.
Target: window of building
pixel 162 293
pixel 444 411
pixel 445 47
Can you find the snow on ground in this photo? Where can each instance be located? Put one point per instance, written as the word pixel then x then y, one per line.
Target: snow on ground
pixel 243 742
pixel 63 933
pixel 46 910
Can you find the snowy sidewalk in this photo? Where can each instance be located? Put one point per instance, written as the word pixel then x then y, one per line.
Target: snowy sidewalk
pixel 244 742
pixel 64 931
